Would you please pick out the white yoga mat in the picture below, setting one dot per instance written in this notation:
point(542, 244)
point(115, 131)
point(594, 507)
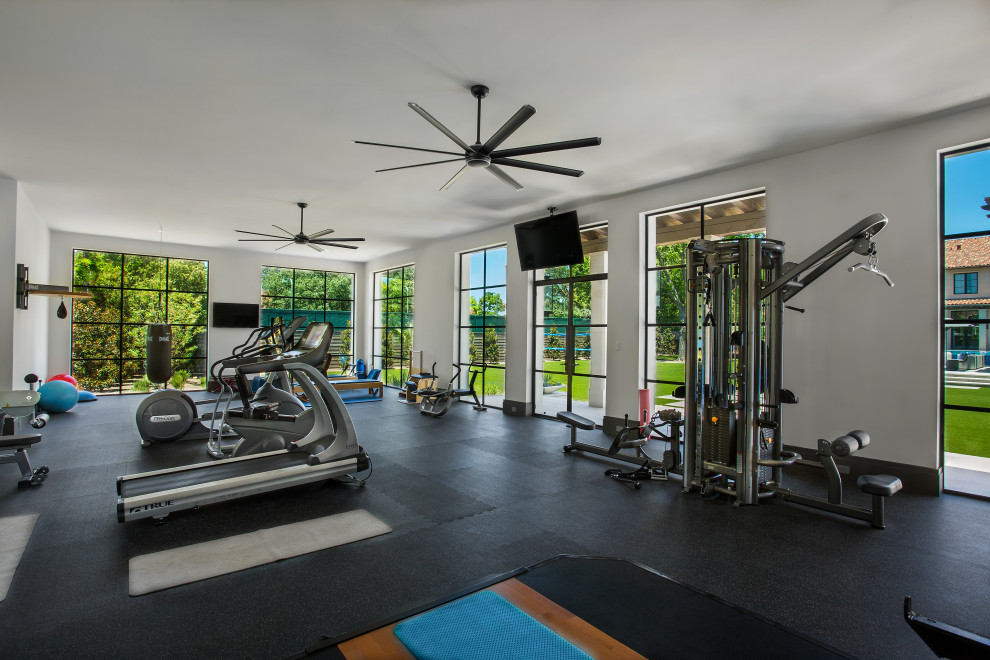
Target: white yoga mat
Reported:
point(14, 534)
point(170, 568)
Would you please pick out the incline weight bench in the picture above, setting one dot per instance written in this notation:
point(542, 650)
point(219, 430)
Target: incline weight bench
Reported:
point(13, 449)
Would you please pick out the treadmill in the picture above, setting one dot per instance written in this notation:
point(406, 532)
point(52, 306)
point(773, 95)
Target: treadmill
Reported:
point(329, 450)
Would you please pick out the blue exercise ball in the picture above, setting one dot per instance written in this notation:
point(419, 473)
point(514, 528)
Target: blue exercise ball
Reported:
point(58, 396)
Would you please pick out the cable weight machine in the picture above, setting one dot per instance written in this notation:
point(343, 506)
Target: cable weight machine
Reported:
point(737, 293)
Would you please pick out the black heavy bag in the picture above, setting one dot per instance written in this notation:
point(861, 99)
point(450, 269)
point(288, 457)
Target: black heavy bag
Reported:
point(158, 363)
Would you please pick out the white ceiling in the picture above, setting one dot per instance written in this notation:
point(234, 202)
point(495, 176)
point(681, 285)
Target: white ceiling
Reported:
point(123, 116)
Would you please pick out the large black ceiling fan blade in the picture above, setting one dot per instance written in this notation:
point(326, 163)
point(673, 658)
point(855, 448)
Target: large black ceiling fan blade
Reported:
point(333, 240)
point(340, 245)
point(315, 247)
point(443, 129)
point(544, 148)
point(320, 233)
point(254, 233)
point(500, 173)
point(406, 167)
point(396, 146)
point(285, 246)
point(508, 128)
point(261, 240)
point(539, 167)
point(285, 230)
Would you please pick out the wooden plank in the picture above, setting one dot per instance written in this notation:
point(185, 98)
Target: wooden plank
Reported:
point(577, 631)
point(382, 644)
point(356, 384)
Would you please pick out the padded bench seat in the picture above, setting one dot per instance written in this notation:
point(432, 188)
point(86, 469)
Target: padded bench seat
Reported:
point(883, 485)
point(576, 420)
point(23, 440)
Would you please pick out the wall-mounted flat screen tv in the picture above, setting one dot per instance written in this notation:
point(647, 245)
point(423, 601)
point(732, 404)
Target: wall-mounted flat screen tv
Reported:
point(236, 315)
point(551, 241)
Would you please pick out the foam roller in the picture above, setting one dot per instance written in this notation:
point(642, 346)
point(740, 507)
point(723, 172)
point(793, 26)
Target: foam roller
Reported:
point(845, 445)
point(862, 436)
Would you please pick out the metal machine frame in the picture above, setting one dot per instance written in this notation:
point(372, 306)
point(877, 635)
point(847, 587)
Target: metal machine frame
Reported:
point(737, 290)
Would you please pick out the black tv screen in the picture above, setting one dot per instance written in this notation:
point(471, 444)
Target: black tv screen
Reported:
point(236, 315)
point(551, 241)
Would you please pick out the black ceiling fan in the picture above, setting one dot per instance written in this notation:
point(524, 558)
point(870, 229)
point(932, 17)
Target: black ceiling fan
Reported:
point(312, 240)
point(488, 155)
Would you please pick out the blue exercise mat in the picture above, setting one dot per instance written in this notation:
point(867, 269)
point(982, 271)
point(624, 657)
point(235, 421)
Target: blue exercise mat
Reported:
point(483, 626)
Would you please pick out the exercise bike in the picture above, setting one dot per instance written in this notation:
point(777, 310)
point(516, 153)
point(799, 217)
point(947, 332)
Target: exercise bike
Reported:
point(436, 403)
point(172, 415)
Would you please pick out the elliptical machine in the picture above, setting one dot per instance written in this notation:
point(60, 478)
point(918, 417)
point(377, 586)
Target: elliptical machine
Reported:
point(273, 418)
point(172, 415)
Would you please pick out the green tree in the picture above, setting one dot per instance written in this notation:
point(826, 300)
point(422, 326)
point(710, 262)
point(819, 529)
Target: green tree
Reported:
point(490, 344)
point(345, 340)
point(670, 300)
point(130, 292)
point(472, 347)
point(491, 304)
point(388, 352)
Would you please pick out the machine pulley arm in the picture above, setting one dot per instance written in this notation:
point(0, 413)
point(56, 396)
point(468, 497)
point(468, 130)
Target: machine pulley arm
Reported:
point(857, 238)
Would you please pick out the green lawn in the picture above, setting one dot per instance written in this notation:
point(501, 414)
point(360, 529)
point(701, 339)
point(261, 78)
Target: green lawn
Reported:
point(967, 432)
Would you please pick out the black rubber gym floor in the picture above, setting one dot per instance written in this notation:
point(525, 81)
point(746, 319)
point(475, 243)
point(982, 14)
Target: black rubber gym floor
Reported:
point(469, 495)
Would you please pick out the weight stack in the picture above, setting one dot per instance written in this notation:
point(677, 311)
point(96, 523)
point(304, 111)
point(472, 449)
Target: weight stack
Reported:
point(718, 438)
point(158, 360)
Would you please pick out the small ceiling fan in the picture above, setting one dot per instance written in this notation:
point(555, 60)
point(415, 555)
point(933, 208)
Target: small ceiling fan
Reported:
point(488, 155)
point(311, 240)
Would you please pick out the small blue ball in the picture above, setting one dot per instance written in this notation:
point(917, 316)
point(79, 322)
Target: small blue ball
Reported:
point(58, 396)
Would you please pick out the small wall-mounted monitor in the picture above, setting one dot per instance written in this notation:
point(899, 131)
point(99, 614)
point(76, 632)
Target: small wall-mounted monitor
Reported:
point(551, 241)
point(236, 315)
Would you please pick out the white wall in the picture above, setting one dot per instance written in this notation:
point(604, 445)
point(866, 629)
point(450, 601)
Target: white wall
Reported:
point(30, 331)
point(8, 226)
point(862, 356)
point(235, 276)
point(23, 333)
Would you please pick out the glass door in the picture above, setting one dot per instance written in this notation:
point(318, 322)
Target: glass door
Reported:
point(571, 333)
point(966, 321)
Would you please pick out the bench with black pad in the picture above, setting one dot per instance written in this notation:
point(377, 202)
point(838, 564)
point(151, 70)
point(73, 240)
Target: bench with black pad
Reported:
point(575, 422)
point(13, 449)
point(880, 486)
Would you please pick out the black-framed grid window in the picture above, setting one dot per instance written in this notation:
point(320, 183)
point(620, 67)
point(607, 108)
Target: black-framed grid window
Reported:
point(131, 291)
point(964, 205)
point(481, 325)
point(393, 318)
point(320, 296)
point(668, 232)
point(965, 283)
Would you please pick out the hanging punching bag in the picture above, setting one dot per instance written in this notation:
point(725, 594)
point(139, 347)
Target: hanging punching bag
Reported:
point(158, 362)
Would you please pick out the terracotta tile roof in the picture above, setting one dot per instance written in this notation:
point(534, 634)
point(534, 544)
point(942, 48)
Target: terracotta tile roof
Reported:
point(967, 301)
point(967, 252)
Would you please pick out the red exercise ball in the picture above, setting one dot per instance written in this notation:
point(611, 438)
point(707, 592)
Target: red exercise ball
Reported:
point(66, 377)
